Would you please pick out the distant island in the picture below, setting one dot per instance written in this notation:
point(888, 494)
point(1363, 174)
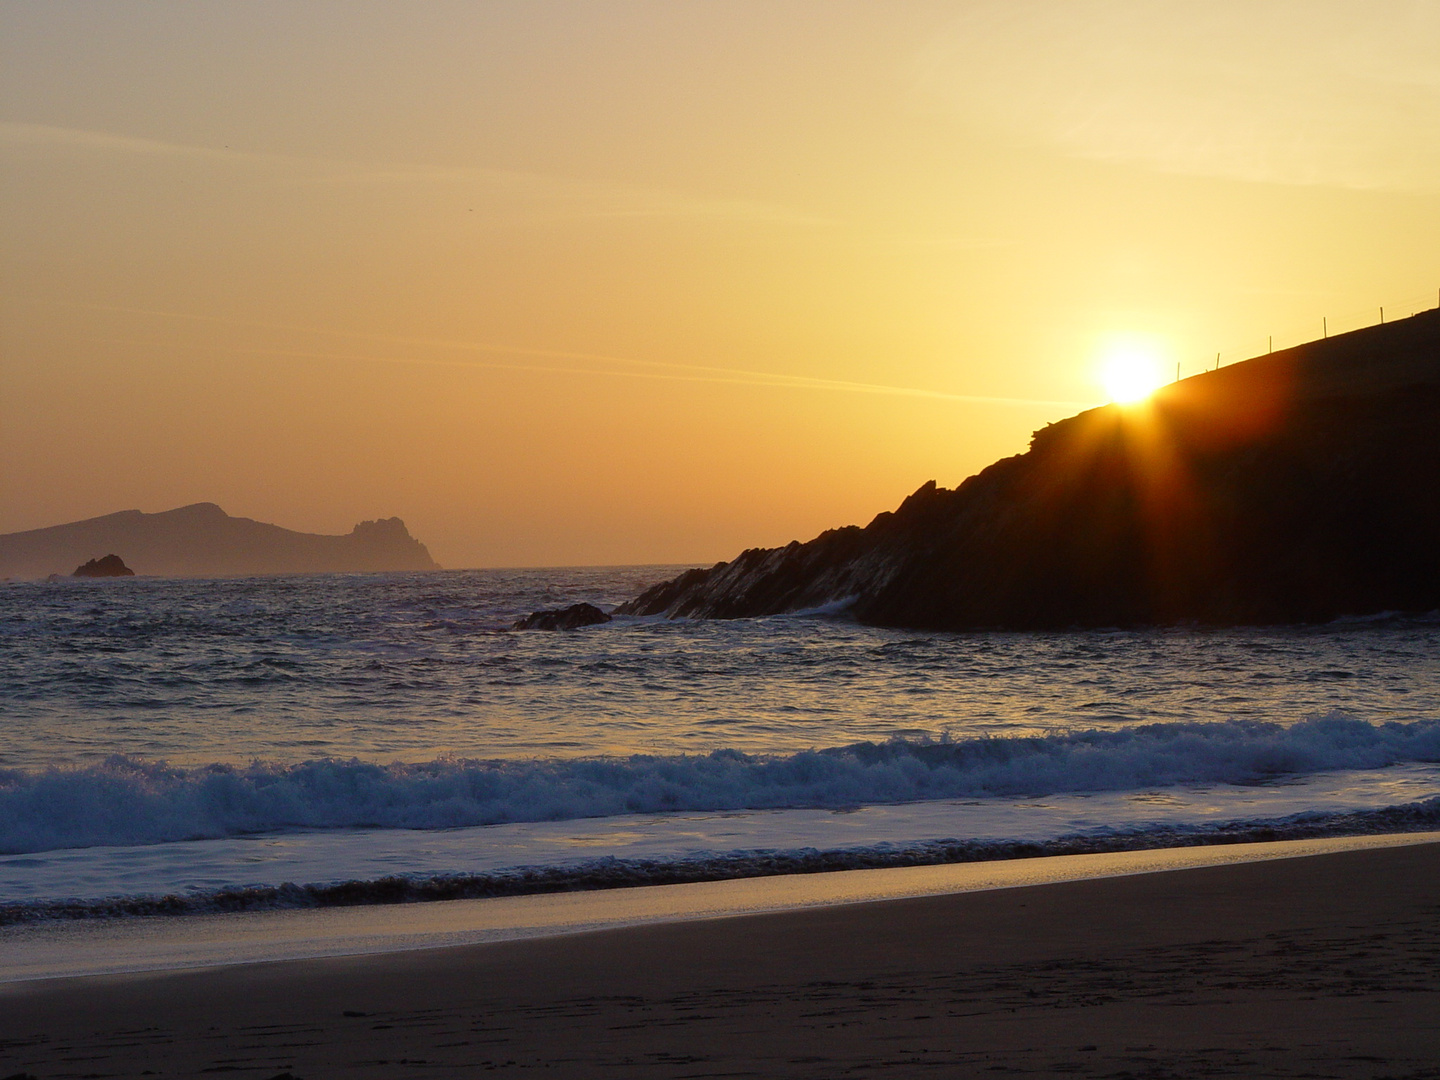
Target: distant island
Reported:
point(203, 541)
point(1299, 486)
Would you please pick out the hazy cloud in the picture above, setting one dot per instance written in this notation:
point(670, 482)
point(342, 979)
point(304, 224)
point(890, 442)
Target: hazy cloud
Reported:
point(621, 367)
point(565, 197)
point(572, 362)
point(1333, 92)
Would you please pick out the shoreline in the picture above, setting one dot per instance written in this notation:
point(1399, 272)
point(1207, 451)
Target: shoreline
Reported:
point(80, 948)
point(1277, 967)
point(324, 869)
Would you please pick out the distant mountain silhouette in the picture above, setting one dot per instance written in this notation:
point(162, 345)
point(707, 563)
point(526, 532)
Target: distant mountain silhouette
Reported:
point(1298, 486)
point(204, 541)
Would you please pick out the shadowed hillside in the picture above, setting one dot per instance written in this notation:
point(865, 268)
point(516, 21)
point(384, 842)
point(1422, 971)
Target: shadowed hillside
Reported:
point(204, 541)
point(1298, 486)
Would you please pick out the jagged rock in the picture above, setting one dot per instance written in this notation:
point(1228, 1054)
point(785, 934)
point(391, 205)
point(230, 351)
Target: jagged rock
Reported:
point(570, 618)
point(1296, 487)
point(109, 566)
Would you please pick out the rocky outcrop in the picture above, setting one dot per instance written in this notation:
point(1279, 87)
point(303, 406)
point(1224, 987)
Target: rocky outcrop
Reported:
point(1299, 486)
point(203, 541)
point(570, 618)
point(109, 566)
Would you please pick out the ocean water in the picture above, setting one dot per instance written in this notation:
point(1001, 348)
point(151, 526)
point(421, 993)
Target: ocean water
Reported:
point(325, 739)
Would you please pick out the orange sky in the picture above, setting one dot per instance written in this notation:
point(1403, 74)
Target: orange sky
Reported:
point(566, 283)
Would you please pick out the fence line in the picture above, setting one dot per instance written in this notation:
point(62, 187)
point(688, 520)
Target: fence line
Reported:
point(1354, 319)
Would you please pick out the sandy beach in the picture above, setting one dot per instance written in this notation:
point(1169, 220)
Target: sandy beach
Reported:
point(1314, 966)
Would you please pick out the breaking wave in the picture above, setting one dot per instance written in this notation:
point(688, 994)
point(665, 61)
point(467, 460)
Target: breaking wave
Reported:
point(613, 873)
point(130, 801)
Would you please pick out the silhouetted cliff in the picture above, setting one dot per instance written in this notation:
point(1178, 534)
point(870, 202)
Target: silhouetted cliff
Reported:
point(204, 541)
point(1298, 486)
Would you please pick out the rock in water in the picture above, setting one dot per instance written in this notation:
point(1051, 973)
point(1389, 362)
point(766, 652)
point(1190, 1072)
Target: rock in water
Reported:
point(109, 566)
point(570, 618)
point(1300, 486)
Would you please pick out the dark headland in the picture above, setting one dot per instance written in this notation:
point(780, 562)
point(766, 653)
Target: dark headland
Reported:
point(203, 541)
point(1299, 486)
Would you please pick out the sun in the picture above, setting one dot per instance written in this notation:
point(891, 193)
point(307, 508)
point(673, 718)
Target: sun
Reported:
point(1131, 370)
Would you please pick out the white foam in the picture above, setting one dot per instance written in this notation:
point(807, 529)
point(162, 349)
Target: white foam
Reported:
point(129, 801)
point(97, 947)
point(324, 857)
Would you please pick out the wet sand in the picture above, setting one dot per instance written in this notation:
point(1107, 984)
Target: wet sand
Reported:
point(1316, 966)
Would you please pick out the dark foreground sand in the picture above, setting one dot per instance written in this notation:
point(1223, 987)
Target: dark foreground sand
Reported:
point(1325, 966)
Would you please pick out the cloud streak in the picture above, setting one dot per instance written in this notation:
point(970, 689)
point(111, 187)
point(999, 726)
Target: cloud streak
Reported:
point(581, 363)
point(668, 372)
point(570, 196)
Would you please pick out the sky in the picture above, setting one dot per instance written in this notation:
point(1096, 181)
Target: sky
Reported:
point(566, 283)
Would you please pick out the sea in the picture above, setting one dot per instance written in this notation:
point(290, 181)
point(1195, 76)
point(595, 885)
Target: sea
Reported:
point(170, 746)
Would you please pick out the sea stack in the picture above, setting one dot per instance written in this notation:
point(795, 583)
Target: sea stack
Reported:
point(109, 566)
point(1299, 486)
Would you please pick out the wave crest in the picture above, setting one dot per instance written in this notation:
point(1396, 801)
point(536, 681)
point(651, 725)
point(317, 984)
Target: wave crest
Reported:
point(127, 800)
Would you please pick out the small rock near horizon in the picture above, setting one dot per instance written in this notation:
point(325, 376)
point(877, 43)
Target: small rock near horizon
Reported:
point(109, 566)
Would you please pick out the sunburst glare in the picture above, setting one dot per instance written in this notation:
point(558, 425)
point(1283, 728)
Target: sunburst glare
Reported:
point(1131, 369)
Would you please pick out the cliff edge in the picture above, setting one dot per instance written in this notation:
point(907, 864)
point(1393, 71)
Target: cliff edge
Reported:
point(202, 540)
point(1299, 486)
